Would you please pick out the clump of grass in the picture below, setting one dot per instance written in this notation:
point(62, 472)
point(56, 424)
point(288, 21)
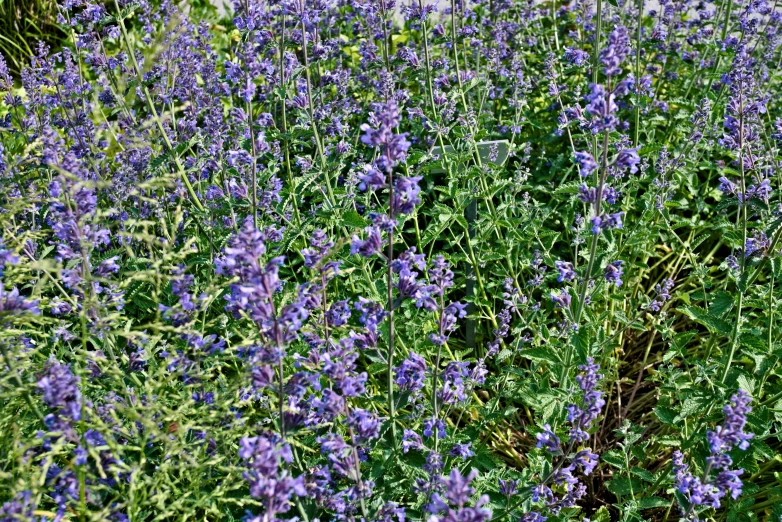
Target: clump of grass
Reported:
point(23, 23)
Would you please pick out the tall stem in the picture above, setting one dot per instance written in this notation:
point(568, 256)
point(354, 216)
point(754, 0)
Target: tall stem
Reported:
point(15, 374)
point(254, 174)
point(743, 214)
point(638, 73)
point(435, 408)
point(316, 135)
point(155, 116)
point(285, 118)
point(281, 401)
point(390, 307)
point(596, 50)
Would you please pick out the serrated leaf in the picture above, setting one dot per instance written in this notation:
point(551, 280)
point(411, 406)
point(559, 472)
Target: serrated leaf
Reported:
point(541, 354)
point(615, 458)
point(712, 323)
point(722, 303)
point(652, 502)
point(623, 486)
point(665, 415)
point(351, 218)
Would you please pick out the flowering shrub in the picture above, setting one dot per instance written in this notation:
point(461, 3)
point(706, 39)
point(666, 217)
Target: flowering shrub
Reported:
point(352, 260)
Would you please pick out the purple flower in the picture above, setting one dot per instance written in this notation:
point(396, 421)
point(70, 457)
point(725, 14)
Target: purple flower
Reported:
point(613, 272)
point(732, 263)
point(606, 222)
point(339, 313)
point(602, 107)
point(587, 194)
point(406, 195)
point(404, 266)
point(663, 294)
point(586, 162)
point(11, 303)
point(462, 451)
point(508, 487)
point(432, 425)
point(731, 433)
point(380, 134)
point(60, 389)
point(447, 322)
point(708, 491)
point(452, 504)
point(757, 245)
point(727, 187)
point(615, 52)
point(22, 506)
point(365, 425)
point(372, 314)
point(410, 374)
point(581, 417)
point(561, 300)
point(761, 191)
point(628, 159)
point(457, 487)
point(370, 246)
point(319, 247)
point(372, 179)
point(391, 512)
point(566, 272)
point(272, 485)
point(586, 460)
point(548, 439)
point(408, 55)
point(441, 277)
point(411, 440)
point(6, 256)
point(576, 56)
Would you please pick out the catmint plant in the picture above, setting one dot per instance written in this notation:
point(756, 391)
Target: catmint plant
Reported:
point(346, 260)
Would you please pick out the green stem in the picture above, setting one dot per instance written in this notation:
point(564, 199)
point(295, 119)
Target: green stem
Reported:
point(735, 341)
point(155, 116)
point(638, 73)
point(315, 133)
point(390, 307)
point(15, 374)
point(285, 122)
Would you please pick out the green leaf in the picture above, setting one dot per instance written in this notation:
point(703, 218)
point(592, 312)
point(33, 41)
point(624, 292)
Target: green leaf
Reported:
point(622, 486)
point(615, 458)
point(713, 323)
point(541, 354)
point(351, 218)
point(646, 475)
point(601, 515)
point(722, 303)
point(652, 502)
point(665, 415)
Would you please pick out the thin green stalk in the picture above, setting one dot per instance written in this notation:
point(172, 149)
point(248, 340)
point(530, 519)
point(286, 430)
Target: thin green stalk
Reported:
point(596, 50)
point(16, 377)
point(315, 133)
point(735, 340)
point(155, 116)
point(743, 214)
point(285, 122)
point(638, 73)
point(390, 310)
point(254, 166)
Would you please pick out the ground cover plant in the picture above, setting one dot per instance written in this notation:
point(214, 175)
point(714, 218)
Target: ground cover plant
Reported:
point(363, 260)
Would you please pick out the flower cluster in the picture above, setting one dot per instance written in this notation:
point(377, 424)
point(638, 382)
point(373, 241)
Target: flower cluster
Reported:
point(719, 480)
point(571, 459)
point(330, 260)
